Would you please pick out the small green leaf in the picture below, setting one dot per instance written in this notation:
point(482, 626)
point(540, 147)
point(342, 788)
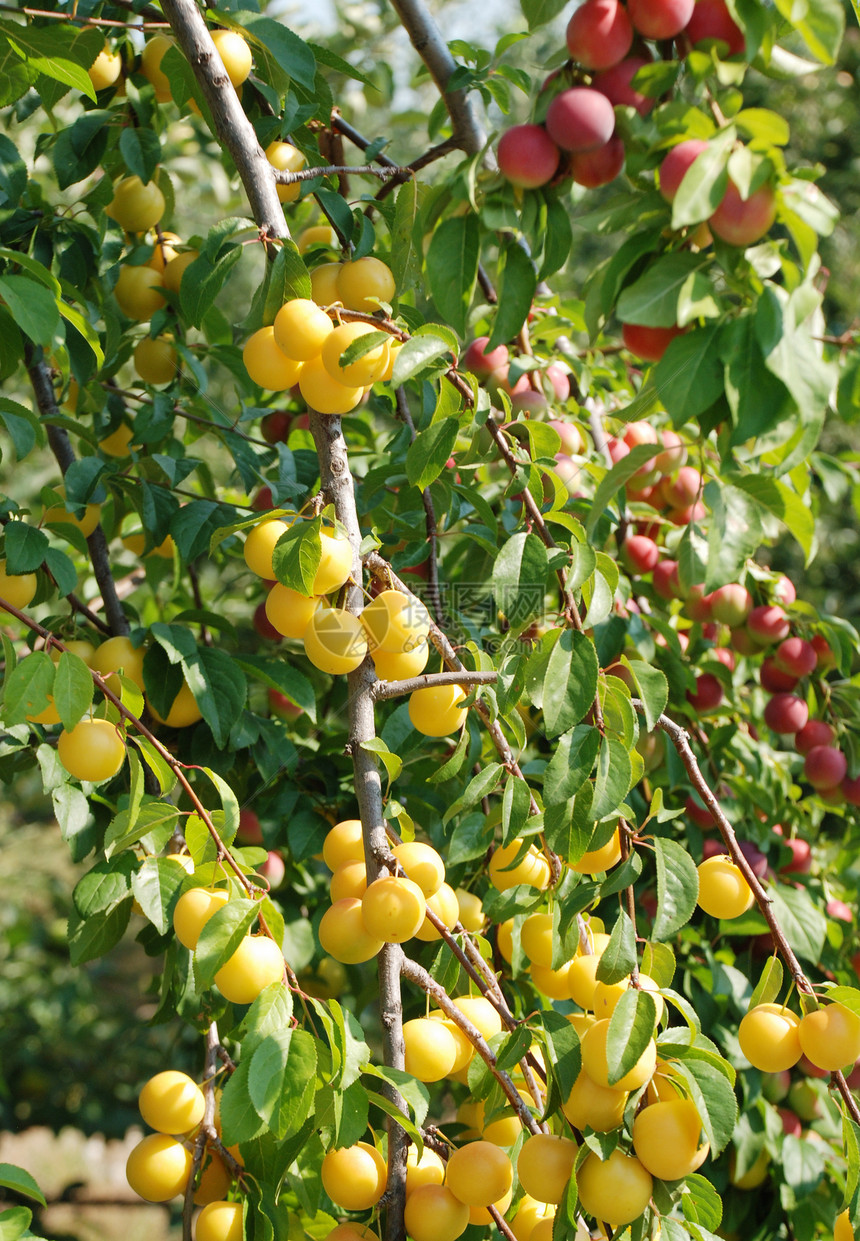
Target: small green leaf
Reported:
point(677, 887)
point(221, 936)
point(73, 689)
point(297, 554)
point(618, 959)
point(12, 1177)
point(571, 682)
point(27, 687)
point(429, 452)
point(519, 578)
point(571, 763)
point(26, 547)
point(452, 267)
point(281, 1079)
point(770, 983)
point(631, 1029)
point(516, 291)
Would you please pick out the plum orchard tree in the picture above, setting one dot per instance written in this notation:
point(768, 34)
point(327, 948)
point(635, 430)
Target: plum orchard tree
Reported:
point(563, 830)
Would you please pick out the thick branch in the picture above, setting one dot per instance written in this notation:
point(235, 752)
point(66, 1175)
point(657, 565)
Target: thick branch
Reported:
point(384, 690)
point(284, 177)
point(337, 486)
point(428, 42)
point(232, 127)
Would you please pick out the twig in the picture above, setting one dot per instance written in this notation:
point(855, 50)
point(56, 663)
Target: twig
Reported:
point(208, 1123)
point(284, 177)
point(502, 1224)
point(85, 21)
point(194, 579)
point(383, 690)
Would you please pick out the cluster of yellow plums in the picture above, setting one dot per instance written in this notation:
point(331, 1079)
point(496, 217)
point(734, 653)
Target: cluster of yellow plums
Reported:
point(773, 1038)
point(159, 1167)
point(256, 963)
point(394, 627)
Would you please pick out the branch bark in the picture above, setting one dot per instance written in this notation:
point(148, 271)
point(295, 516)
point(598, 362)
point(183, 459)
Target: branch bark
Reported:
point(383, 690)
point(232, 127)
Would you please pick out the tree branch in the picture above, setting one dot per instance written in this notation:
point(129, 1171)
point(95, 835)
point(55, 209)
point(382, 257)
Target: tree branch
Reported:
point(284, 177)
point(232, 127)
point(207, 1125)
point(383, 690)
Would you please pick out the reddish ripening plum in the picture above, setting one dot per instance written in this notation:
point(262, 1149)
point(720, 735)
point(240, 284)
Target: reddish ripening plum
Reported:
point(640, 553)
point(616, 449)
point(580, 119)
point(682, 490)
point(767, 623)
point(570, 435)
point(826, 658)
point(595, 168)
point(599, 34)
point(697, 603)
point(636, 433)
point(666, 579)
point(275, 427)
point(683, 516)
point(792, 1126)
point(615, 84)
point(480, 363)
point(851, 790)
point(742, 222)
point(784, 591)
point(660, 19)
point(280, 705)
point(711, 22)
point(559, 378)
point(786, 714)
point(250, 832)
point(273, 869)
point(674, 453)
point(754, 855)
point(264, 626)
point(774, 680)
point(825, 767)
point(648, 343)
point(700, 814)
point(800, 862)
point(731, 604)
point(263, 500)
point(813, 733)
point(676, 165)
point(708, 693)
point(796, 657)
point(838, 909)
point(725, 656)
point(527, 156)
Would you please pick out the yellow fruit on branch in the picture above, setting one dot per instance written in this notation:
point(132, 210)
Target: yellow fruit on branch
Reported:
point(136, 207)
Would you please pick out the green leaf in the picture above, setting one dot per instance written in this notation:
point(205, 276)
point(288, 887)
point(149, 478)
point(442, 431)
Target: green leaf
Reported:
point(415, 355)
point(677, 887)
point(714, 1098)
point(618, 959)
point(653, 298)
point(15, 1222)
point(612, 778)
point(270, 1012)
point(219, 689)
point(27, 687)
point(539, 12)
point(141, 150)
point(286, 278)
point(393, 763)
point(820, 24)
point(73, 689)
point(202, 281)
point(615, 479)
point(452, 267)
point(239, 1119)
point(221, 936)
point(689, 376)
point(90, 938)
point(516, 805)
point(734, 533)
point(568, 825)
point(33, 307)
point(519, 578)
point(770, 983)
point(652, 688)
point(297, 554)
point(479, 786)
point(154, 818)
point(700, 1202)
point(281, 1080)
point(563, 1058)
point(60, 53)
point(13, 177)
point(429, 452)
point(703, 186)
point(279, 53)
point(12, 1177)
point(22, 425)
point(25, 546)
point(516, 291)
point(802, 922)
point(571, 682)
point(785, 504)
point(631, 1029)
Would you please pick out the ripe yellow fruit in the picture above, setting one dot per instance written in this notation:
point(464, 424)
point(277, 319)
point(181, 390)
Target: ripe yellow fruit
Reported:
point(536, 939)
point(354, 1176)
point(723, 891)
point(769, 1038)
point(544, 1166)
point(183, 712)
point(215, 1181)
point(324, 284)
point(434, 1214)
point(754, 1176)
point(843, 1230)
point(290, 612)
point(363, 284)
point(193, 910)
point(481, 1215)
point(367, 369)
point(465, 1050)
point(317, 235)
point(504, 1130)
point(532, 870)
point(235, 54)
point(136, 207)
point(471, 911)
point(163, 250)
point(136, 542)
point(115, 655)
point(58, 514)
point(430, 1049)
point(156, 362)
point(151, 59)
point(117, 443)
point(265, 363)
point(220, 1221)
point(505, 939)
point(349, 880)
point(436, 711)
point(422, 865)
point(597, 1107)
point(582, 979)
point(158, 1168)
point(428, 1170)
point(171, 1102)
point(529, 1214)
point(352, 1232)
point(19, 589)
point(344, 936)
point(555, 984)
point(607, 995)
point(343, 843)
point(175, 269)
point(260, 544)
point(324, 394)
point(335, 563)
point(483, 1016)
point(396, 622)
point(595, 1063)
point(301, 329)
point(666, 1138)
point(400, 665)
point(286, 158)
point(393, 909)
point(830, 1037)
point(105, 69)
point(137, 292)
point(334, 641)
point(445, 906)
point(615, 1191)
point(94, 750)
point(479, 1174)
point(597, 860)
point(257, 962)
